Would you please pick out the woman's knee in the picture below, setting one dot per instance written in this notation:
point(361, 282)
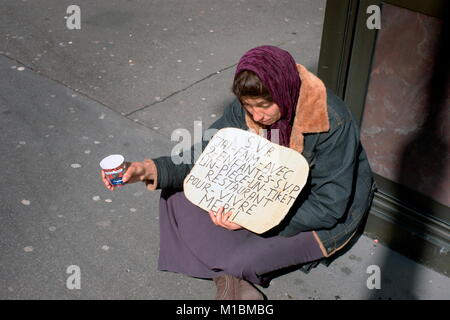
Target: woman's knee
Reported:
point(245, 266)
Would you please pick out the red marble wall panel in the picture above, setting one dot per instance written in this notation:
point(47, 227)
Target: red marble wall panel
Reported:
point(406, 123)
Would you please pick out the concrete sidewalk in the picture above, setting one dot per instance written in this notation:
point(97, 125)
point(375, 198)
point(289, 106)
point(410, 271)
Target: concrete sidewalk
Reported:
point(123, 84)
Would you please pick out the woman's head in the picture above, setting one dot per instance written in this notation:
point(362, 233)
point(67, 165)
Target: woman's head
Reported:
point(256, 98)
point(247, 84)
point(269, 73)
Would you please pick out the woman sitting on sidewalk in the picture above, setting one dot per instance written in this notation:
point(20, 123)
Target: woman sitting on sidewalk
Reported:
point(273, 92)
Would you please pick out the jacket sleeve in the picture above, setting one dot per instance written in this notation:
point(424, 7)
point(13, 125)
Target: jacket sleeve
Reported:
point(171, 175)
point(331, 181)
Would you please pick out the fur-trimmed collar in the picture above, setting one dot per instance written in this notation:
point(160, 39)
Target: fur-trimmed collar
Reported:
point(311, 114)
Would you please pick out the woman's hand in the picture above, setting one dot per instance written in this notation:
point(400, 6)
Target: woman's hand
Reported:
point(220, 219)
point(134, 172)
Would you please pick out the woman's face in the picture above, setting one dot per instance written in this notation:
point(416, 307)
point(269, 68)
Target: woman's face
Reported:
point(262, 111)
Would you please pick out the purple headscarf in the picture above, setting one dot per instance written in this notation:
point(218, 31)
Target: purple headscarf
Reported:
point(278, 72)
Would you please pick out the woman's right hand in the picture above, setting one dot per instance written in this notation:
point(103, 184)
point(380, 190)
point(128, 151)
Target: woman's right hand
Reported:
point(134, 172)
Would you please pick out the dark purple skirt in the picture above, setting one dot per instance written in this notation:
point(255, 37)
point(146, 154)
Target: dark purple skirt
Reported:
point(192, 245)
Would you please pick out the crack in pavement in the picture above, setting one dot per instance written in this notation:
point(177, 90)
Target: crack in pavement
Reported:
point(181, 90)
point(190, 86)
point(80, 92)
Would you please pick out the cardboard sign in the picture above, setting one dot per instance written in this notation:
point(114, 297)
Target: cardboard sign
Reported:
point(255, 179)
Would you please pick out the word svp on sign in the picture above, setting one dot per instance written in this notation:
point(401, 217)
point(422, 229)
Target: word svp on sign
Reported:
point(255, 179)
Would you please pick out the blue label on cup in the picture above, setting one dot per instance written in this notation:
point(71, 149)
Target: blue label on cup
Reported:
point(117, 181)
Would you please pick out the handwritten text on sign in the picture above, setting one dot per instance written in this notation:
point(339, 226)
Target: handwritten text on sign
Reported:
point(255, 179)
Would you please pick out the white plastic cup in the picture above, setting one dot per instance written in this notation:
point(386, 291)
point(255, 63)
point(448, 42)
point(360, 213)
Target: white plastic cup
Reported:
point(114, 167)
